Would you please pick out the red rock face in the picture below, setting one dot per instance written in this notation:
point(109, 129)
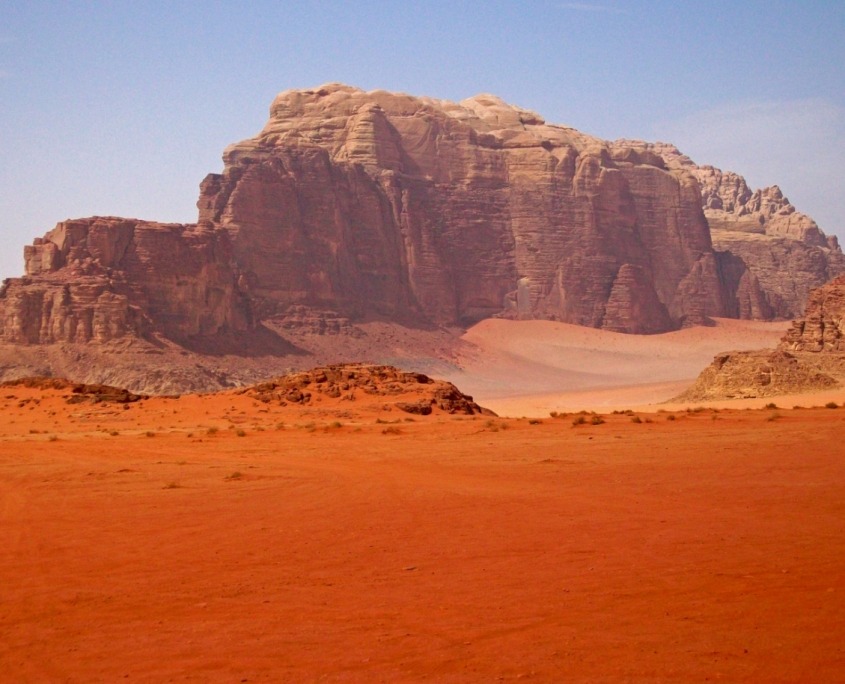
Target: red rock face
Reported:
point(822, 328)
point(415, 208)
point(771, 256)
point(425, 211)
point(103, 279)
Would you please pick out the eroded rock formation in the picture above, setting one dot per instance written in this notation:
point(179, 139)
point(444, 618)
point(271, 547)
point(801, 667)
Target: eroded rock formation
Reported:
point(351, 205)
point(822, 329)
point(810, 356)
point(770, 254)
point(345, 381)
point(105, 279)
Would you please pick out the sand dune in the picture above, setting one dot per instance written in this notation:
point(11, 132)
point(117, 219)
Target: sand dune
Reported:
point(532, 367)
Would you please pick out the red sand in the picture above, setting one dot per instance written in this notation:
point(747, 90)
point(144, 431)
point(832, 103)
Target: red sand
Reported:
point(446, 549)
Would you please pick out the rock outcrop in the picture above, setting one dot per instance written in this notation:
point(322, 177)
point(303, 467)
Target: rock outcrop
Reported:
point(770, 255)
point(344, 381)
point(810, 356)
point(416, 208)
point(105, 279)
point(822, 329)
point(351, 206)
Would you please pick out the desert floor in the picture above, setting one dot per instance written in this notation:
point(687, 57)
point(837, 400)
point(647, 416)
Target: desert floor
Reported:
point(220, 539)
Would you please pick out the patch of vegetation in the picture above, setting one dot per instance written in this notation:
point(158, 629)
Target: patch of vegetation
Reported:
point(671, 416)
point(771, 405)
point(391, 430)
point(578, 420)
point(831, 404)
point(114, 433)
point(773, 416)
point(172, 485)
point(212, 431)
point(596, 420)
point(535, 421)
point(636, 419)
point(240, 432)
point(237, 475)
point(149, 433)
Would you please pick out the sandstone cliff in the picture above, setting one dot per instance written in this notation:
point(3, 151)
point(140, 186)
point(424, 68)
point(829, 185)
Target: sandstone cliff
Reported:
point(106, 279)
point(416, 208)
point(770, 255)
point(822, 329)
point(352, 206)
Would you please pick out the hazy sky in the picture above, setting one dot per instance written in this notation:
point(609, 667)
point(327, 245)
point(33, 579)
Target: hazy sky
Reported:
point(121, 108)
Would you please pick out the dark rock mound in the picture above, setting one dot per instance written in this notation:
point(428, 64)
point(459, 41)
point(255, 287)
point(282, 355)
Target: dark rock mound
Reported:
point(345, 381)
point(79, 392)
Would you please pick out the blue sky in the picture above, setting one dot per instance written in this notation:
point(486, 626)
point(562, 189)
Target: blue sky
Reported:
point(121, 108)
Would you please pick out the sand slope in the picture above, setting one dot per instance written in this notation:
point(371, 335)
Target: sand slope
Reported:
point(531, 367)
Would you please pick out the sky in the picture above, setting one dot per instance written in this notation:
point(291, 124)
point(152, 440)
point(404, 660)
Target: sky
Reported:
point(122, 108)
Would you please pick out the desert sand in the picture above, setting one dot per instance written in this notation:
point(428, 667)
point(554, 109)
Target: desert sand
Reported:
point(218, 538)
point(530, 368)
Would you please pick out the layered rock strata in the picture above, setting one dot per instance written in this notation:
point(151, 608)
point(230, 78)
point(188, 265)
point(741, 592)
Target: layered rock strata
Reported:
point(353, 205)
point(770, 254)
point(105, 279)
point(822, 329)
point(417, 208)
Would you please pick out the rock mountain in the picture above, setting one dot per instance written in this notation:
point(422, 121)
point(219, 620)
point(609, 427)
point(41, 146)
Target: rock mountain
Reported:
point(352, 206)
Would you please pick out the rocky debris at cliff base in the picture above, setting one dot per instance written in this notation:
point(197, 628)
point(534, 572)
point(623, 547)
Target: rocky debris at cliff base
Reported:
point(345, 381)
point(79, 392)
point(809, 357)
point(766, 373)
